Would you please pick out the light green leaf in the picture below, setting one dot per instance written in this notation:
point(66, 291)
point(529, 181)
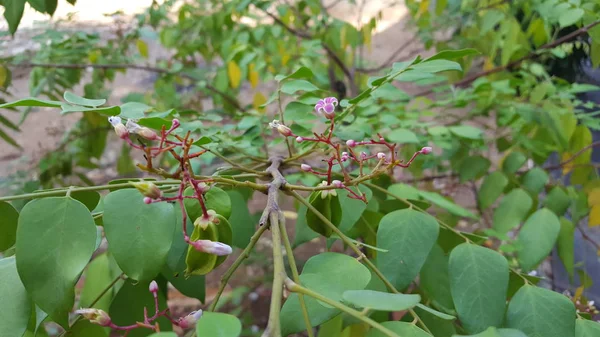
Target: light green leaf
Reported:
point(493, 332)
point(535, 180)
point(377, 300)
point(473, 167)
point(89, 198)
point(537, 237)
point(402, 329)
point(512, 210)
point(32, 102)
point(479, 282)
point(403, 191)
point(557, 201)
point(86, 329)
point(77, 100)
point(513, 162)
point(585, 328)
point(302, 72)
point(453, 54)
point(439, 327)
point(55, 240)
point(436, 313)
point(540, 312)
point(466, 131)
point(15, 307)
point(436, 66)
point(491, 189)
point(163, 334)
point(570, 17)
point(139, 235)
point(446, 204)
point(9, 218)
point(566, 245)
point(403, 136)
point(291, 87)
point(408, 236)
point(216, 324)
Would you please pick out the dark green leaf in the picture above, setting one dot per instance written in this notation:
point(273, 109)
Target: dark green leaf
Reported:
point(32, 102)
point(303, 232)
point(86, 329)
point(537, 237)
point(446, 204)
point(302, 72)
point(513, 162)
point(402, 329)
point(215, 199)
point(97, 277)
point(454, 54)
point(241, 221)
point(557, 201)
point(436, 313)
point(491, 189)
point(216, 324)
point(535, 180)
point(435, 281)
point(352, 209)
point(9, 139)
point(566, 245)
point(439, 327)
point(479, 282)
point(13, 11)
point(9, 218)
point(512, 210)
point(473, 167)
point(377, 300)
point(89, 198)
point(54, 234)
point(436, 66)
point(330, 207)
point(15, 307)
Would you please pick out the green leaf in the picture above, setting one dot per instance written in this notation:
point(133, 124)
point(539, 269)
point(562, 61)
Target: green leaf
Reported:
point(291, 87)
point(377, 300)
point(585, 328)
point(9, 139)
point(163, 334)
point(435, 280)
point(333, 270)
point(89, 198)
point(566, 245)
point(436, 313)
point(512, 210)
point(38, 5)
point(402, 329)
point(215, 199)
point(97, 277)
point(78, 100)
point(479, 282)
point(139, 235)
point(570, 17)
point(537, 237)
point(32, 102)
point(302, 72)
point(54, 234)
point(513, 162)
point(352, 209)
point(9, 218)
point(473, 167)
point(439, 327)
point(493, 332)
point(240, 219)
point(303, 232)
point(557, 201)
point(535, 180)
point(403, 136)
point(13, 11)
point(446, 204)
point(86, 329)
point(436, 66)
point(216, 324)
point(491, 189)
point(15, 307)
point(408, 236)
point(128, 306)
point(453, 54)
point(330, 207)
point(540, 312)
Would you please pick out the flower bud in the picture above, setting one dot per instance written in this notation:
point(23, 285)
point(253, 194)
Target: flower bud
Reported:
point(120, 129)
point(190, 320)
point(337, 184)
point(345, 156)
point(299, 139)
point(95, 316)
point(426, 150)
point(204, 221)
point(212, 247)
point(305, 167)
point(363, 155)
point(325, 193)
point(148, 134)
point(282, 129)
point(153, 288)
point(351, 143)
point(380, 155)
point(147, 200)
point(148, 189)
point(175, 123)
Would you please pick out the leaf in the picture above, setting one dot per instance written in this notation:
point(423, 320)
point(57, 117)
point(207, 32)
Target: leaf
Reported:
point(8, 123)
point(513, 162)
point(535, 180)
point(408, 236)
point(333, 269)
point(291, 87)
point(439, 327)
point(557, 201)
point(240, 219)
point(128, 307)
point(142, 48)
point(403, 136)
point(139, 235)
point(436, 313)
point(97, 278)
point(493, 332)
point(302, 72)
point(585, 328)
point(163, 334)
point(77, 100)
point(377, 300)
point(435, 280)
point(400, 328)
point(303, 232)
point(512, 210)
point(570, 17)
point(466, 131)
point(9, 218)
point(54, 234)
point(13, 11)
point(352, 209)
point(537, 237)
point(215, 199)
point(566, 245)
point(234, 73)
point(216, 324)
point(86, 329)
point(540, 312)
point(9, 139)
point(32, 102)
point(478, 282)
point(89, 198)
point(330, 207)
point(453, 54)
point(15, 307)
point(491, 189)
point(436, 66)
point(473, 167)
point(446, 204)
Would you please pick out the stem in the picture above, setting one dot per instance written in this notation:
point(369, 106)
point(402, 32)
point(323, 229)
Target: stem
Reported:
point(244, 255)
point(294, 287)
point(295, 276)
point(273, 327)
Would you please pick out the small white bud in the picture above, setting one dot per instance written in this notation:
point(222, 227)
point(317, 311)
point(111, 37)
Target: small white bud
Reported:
point(153, 288)
point(380, 155)
point(305, 167)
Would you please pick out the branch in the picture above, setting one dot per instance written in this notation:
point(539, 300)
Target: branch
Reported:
point(273, 328)
point(230, 99)
point(390, 59)
point(534, 54)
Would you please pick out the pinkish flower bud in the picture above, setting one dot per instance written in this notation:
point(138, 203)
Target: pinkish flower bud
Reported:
point(426, 150)
point(351, 143)
point(203, 221)
point(337, 184)
point(305, 167)
point(299, 139)
point(282, 129)
point(212, 247)
point(153, 288)
point(147, 200)
point(380, 155)
point(148, 189)
point(190, 320)
point(148, 134)
point(363, 155)
point(120, 129)
point(95, 316)
point(175, 123)
point(345, 156)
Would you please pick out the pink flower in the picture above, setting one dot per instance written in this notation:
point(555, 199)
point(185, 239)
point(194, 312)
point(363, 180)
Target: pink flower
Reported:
point(327, 106)
point(426, 150)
